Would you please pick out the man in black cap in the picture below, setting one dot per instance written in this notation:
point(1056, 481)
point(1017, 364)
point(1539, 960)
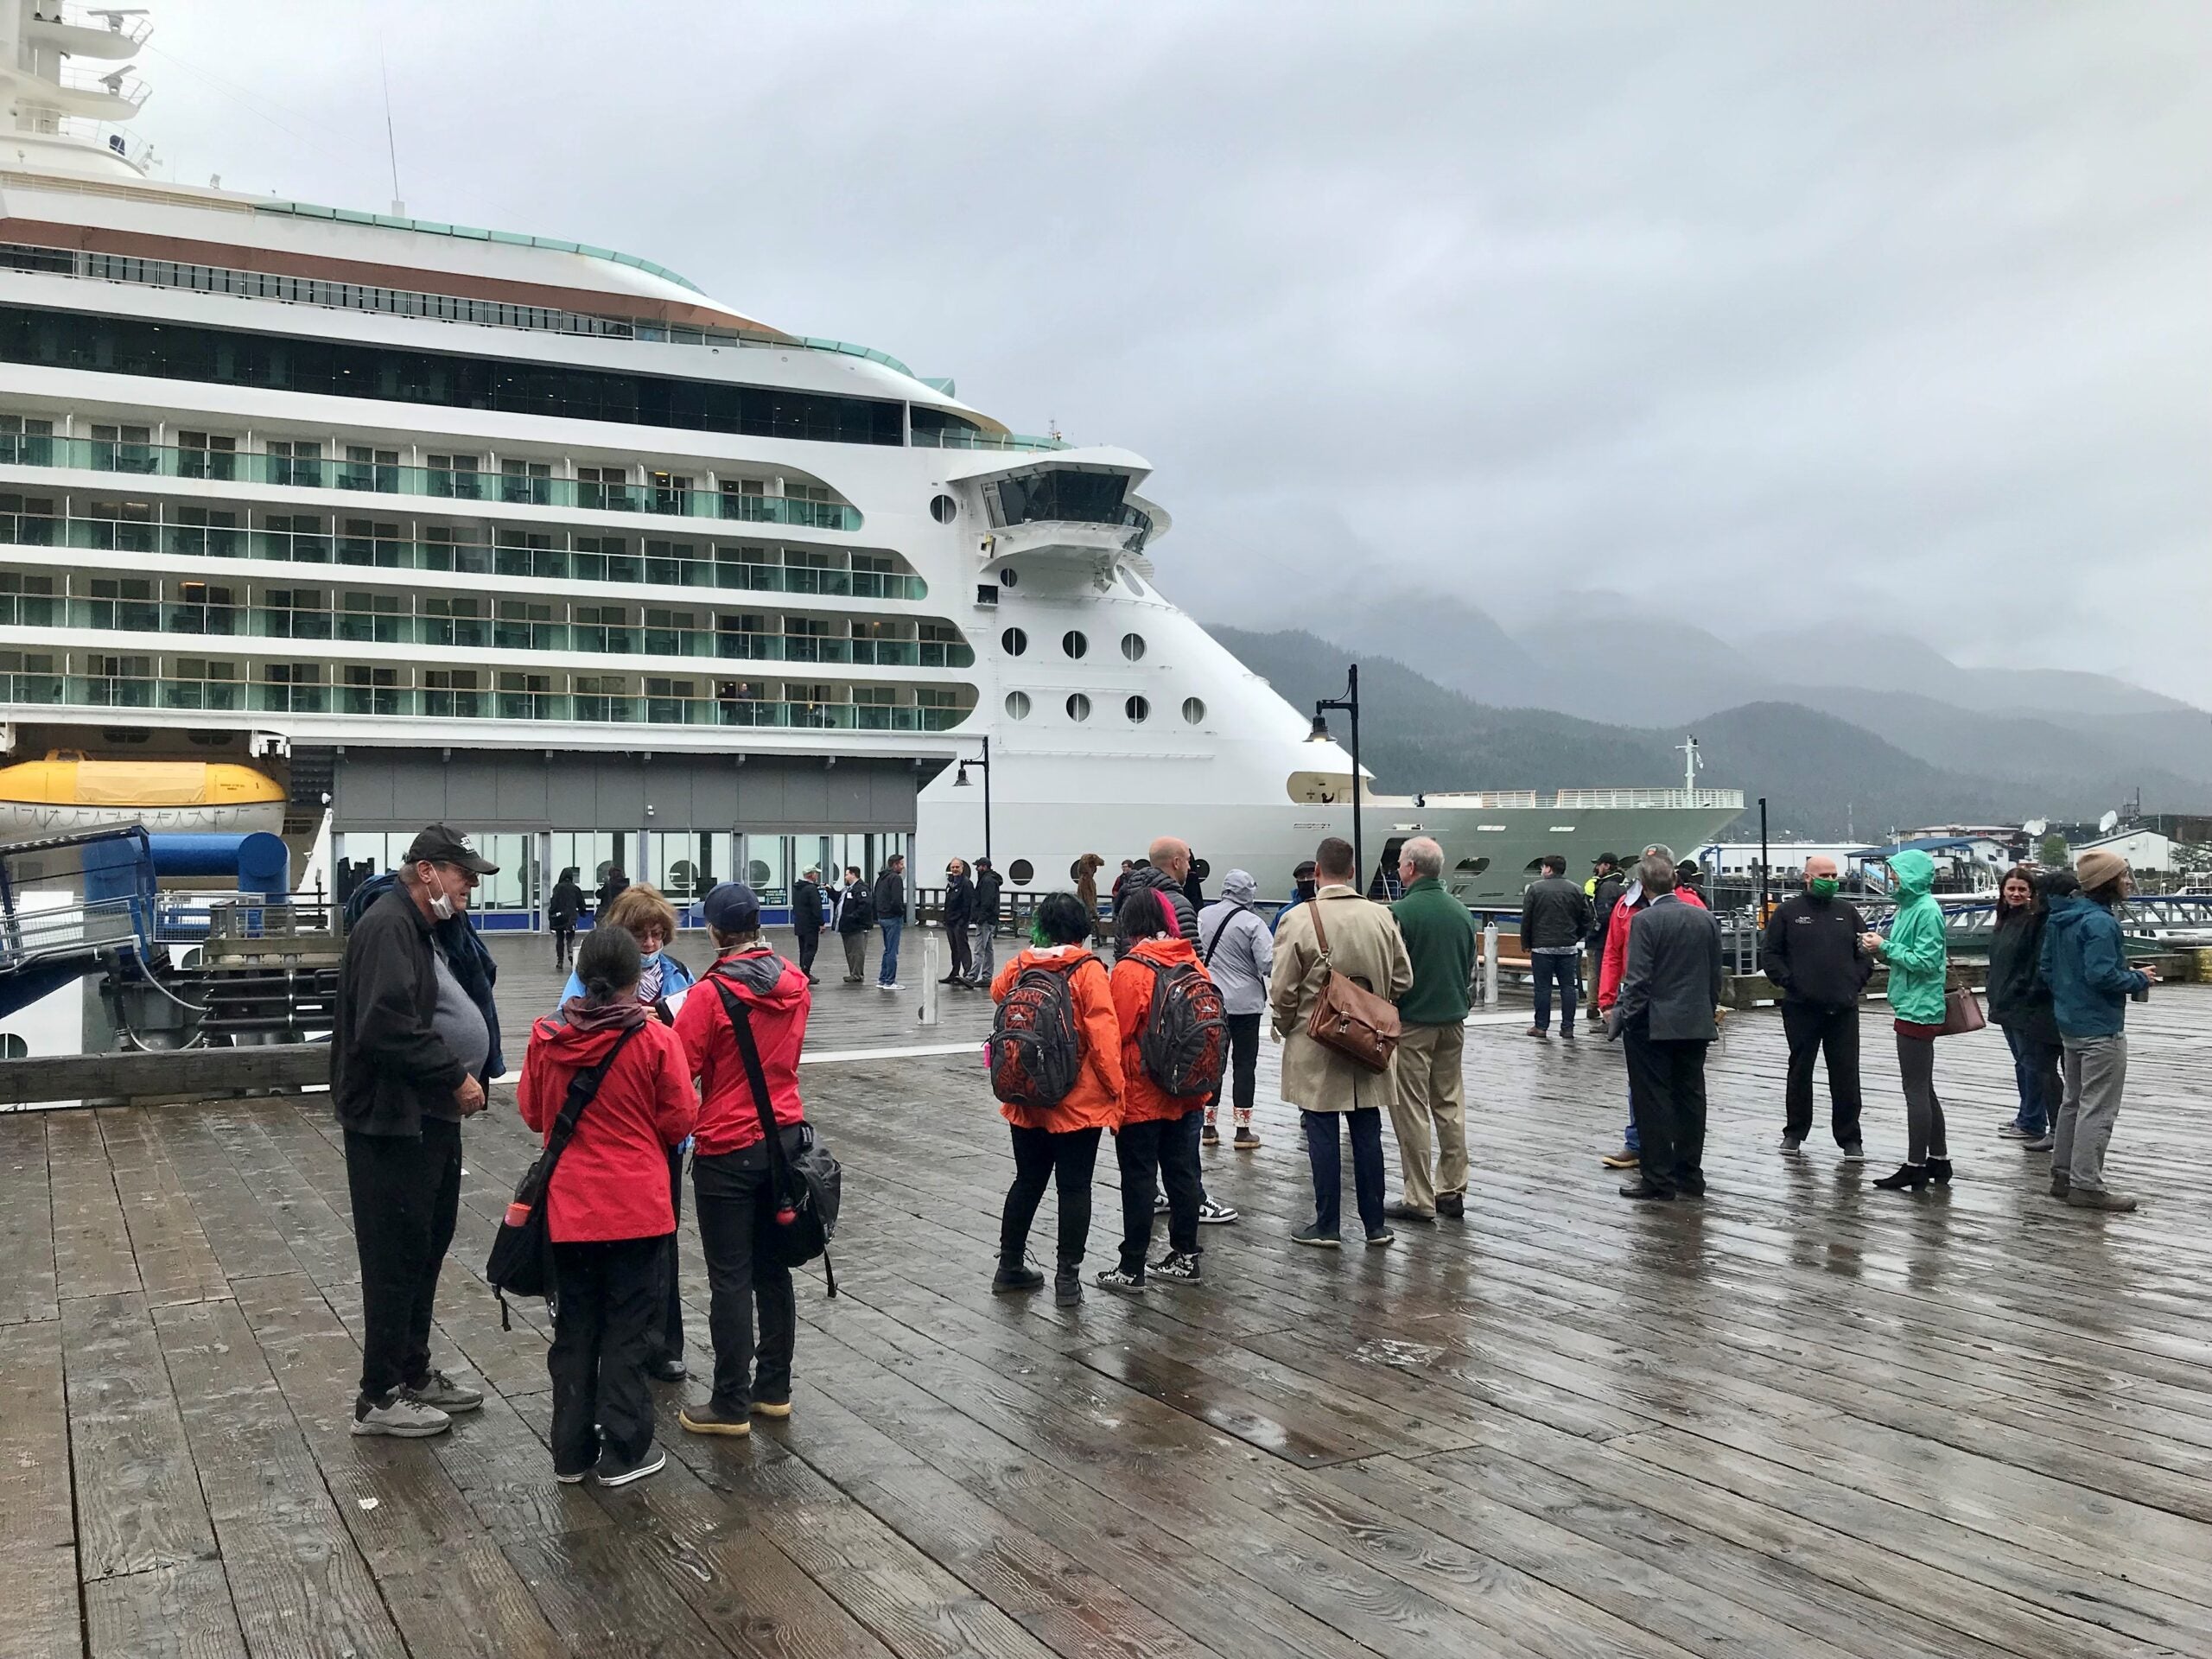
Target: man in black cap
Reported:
point(1604, 887)
point(407, 1052)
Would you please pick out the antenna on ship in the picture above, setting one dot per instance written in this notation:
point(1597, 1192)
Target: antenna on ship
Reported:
point(390, 144)
point(1693, 763)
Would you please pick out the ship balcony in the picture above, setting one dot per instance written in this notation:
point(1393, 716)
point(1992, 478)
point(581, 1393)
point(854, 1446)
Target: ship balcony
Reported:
point(114, 36)
point(112, 97)
point(1068, 538)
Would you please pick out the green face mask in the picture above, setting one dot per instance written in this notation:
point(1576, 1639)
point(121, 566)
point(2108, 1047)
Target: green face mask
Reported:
point(1824, 886)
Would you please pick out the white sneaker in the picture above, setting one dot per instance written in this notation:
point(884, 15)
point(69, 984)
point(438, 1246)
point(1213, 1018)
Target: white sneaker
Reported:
point(880, 986)
point(408, 1419)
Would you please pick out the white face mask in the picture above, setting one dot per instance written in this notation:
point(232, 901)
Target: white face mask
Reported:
point(441, 900)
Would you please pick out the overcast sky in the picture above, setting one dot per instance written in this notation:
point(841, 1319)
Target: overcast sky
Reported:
point(1898, 314)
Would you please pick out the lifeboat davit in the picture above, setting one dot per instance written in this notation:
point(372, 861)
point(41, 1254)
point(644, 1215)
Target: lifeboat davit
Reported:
point(66, 792)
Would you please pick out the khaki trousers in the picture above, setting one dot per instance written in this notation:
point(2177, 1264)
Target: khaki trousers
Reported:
point(1430, 1092)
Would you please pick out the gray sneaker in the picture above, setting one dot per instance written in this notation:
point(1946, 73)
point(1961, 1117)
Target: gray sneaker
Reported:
point(2099, 1197)
point(445, 1395)
point(400, 1416)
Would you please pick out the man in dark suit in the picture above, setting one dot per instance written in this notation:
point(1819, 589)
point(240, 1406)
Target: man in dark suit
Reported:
point(1665, 1015)
point(806, 919)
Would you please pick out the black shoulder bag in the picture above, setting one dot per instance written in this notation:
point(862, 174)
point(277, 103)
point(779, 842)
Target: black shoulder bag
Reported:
point(806, 1184)
point(521, 1264)
point(1206, 961)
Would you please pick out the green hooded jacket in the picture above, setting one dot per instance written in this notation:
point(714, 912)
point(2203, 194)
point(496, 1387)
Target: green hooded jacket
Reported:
point(1914, 947)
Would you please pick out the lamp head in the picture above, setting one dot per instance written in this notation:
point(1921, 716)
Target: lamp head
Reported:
point(1320, 732)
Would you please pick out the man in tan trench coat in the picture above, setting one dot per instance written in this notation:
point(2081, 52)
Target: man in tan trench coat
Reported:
point(1364, 945)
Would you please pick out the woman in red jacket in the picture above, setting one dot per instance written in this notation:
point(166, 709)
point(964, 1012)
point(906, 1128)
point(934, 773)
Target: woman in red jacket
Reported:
point(607, 1210)
point(1059, 1143)
point(1157, 1139)
point(730, 1180)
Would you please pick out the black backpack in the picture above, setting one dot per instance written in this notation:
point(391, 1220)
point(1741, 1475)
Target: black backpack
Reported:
point(521, 1262)
point(1035, 1053)
point(808, 1182)
point(1185, 1036)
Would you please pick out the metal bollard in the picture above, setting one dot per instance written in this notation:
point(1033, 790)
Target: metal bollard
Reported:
point(1490, 965)
point(930, 973)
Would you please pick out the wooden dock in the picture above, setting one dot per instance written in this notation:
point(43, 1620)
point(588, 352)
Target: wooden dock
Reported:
point(1801, 1418)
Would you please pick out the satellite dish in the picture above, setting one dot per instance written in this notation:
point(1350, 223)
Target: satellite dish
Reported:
point(2107, 823)
point(2037, 827)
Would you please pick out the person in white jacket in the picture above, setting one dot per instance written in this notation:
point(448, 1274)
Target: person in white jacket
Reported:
point(1238, 949)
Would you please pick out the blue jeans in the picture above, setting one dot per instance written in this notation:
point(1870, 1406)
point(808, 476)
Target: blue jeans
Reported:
point(1325, 1151)
point(1565, 971)
point(2034, 1072)
point(887, 972)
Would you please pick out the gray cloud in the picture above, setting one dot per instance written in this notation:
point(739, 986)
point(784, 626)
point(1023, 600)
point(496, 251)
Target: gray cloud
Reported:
point(1895, 313)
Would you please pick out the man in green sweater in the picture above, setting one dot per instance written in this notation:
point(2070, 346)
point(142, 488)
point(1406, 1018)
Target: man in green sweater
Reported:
point(1431, 1100)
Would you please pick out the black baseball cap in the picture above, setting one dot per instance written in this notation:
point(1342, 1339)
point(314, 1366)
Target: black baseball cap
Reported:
point(1604, 858)
point(437, 844)
point(732, 907)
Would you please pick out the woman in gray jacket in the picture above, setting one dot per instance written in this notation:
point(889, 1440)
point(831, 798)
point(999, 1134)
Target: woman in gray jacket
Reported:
point(1239, 951)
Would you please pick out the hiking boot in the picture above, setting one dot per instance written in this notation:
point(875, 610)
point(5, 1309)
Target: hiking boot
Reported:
point(1214, 1213)
point(711, 1418)
point(401, 1417)
point(1067, 1284)
point(1246, 1141)
point(1538, 1030)
point(1177, 1267)
point(617, 1471)
point(1790, 1143)
point(777, 1410)
point(1312, 1234)
point(2061, 1183)
point(669, 1369)
point(2100, 1197)
point(1016, 1275)
point(442, 1392)
point(1406, 1212)
point(1209, 1136)
point(1626, 1158)
point(1128, 1284)
point(1452, 1206)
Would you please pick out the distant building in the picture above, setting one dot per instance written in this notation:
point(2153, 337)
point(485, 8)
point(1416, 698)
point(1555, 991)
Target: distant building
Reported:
point(2145, 848)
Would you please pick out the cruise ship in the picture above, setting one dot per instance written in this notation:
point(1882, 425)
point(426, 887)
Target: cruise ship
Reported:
point(419, 522)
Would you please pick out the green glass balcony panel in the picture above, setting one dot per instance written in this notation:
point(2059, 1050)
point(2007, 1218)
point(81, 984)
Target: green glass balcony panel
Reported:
point(454, 484)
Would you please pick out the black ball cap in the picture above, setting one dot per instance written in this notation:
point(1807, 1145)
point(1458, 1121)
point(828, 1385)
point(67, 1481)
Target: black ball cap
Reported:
point(437, 844)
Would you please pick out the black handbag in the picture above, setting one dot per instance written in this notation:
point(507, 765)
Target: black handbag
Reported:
point(806, 1184)
point(521, 1262)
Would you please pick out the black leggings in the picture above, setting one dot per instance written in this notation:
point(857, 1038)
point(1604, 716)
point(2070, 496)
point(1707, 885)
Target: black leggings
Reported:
point(1041, 1157)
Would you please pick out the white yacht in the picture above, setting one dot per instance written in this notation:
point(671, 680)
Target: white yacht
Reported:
point(431, 522)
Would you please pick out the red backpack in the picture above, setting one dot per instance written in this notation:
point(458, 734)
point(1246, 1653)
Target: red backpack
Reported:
point(1034, 1052)
point(1185, 1037)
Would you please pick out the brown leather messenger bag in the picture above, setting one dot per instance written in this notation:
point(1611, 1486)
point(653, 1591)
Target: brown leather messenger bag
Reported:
point(1348, 1018)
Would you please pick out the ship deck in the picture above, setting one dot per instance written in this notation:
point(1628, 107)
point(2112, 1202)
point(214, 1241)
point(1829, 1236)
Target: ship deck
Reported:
point(1801, 1418)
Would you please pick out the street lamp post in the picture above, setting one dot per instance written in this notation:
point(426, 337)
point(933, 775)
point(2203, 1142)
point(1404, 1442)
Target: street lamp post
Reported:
point(1350, 703)
point(960, 781)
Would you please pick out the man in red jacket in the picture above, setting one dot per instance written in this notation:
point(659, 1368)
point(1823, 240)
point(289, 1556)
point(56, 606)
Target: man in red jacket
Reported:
point(730, 1176)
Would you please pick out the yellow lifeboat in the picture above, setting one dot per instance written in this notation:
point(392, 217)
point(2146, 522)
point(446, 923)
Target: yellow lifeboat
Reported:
point(66, 792)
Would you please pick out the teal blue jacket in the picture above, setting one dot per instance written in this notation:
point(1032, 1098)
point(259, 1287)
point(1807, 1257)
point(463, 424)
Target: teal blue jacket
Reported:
point(1914, 947)
point(2085, 964)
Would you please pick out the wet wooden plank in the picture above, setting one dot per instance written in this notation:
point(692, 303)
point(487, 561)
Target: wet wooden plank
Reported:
point(28, 1290)
point(91, 1244)
point(172, 1612)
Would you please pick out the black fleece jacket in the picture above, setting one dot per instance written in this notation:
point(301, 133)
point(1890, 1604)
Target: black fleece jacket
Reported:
point(1811, 952)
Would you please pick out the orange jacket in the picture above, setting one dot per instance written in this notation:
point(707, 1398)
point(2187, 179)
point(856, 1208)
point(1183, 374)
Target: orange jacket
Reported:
point(1141, 1099)
point(1095, 1103)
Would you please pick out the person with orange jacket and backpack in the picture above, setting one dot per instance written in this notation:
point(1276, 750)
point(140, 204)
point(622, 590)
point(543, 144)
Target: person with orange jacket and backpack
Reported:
point(1174, 1032)
point(608, 1208)
point(732, 1181)
point(1056, 1066)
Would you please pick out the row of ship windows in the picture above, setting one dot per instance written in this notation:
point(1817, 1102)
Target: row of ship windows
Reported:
point(1075, 645)
point(1135, 709)
point(185, 605)
point(103, 680)
point(316, 464)
point(306, 538)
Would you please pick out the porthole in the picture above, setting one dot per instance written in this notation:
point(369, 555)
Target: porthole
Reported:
point(1194, 710)
point(1138, 709)
point(1471, 866)
point(1007, 577)
point(1022, 872)
point(1073, 643)
point(1017, 705)
point(1133, 647)
point(944, 509)
point(1013, 642)
point(1078, 706)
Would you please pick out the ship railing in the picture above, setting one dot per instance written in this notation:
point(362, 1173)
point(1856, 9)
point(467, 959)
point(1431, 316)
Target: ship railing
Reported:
point(1593, 800)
